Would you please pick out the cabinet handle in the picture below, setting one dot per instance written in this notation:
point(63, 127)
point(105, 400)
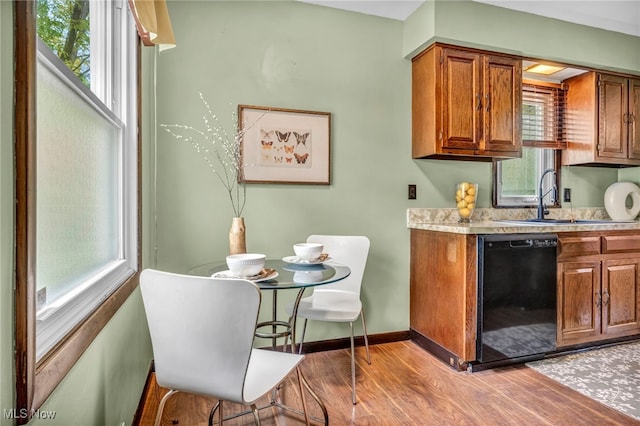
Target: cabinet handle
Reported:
point(625, 119)
point(488, 102)
point(632, 118)
point(605, 302)
point(479, 105)
point(598, 300)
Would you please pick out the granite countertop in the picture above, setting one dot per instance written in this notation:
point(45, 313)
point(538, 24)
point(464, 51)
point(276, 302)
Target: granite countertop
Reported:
point(491, 221)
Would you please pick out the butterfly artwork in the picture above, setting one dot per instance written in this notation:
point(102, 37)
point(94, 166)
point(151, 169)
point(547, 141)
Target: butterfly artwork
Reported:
point(301, 138)
point(267, 138)
point(283, 136)
point(301, 159)
point(284, 145)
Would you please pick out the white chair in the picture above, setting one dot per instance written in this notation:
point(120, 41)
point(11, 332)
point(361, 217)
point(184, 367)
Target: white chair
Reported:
point(202, 332)
point(339, 301)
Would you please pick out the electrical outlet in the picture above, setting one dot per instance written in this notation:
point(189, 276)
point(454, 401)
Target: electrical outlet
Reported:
point(566, 196)
point(412, 192)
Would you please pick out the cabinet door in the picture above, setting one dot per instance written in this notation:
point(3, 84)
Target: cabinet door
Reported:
point(634, 118)
point(612, 117)
point(462, 100)
point(502, 91)
point(620, 296)
point(579, 302)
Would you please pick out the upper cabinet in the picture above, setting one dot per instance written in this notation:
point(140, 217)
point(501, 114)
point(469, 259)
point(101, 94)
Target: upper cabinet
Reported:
point(466, 104)
point(605, 110)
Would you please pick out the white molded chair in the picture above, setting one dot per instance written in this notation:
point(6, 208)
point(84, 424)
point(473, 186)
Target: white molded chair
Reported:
point(202, 332)
point(339, 301)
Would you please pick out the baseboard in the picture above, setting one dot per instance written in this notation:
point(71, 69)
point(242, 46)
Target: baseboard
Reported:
point(345, 343)
point(438, 351)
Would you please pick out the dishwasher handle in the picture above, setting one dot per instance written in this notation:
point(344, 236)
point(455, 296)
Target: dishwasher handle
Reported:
point(521, 243)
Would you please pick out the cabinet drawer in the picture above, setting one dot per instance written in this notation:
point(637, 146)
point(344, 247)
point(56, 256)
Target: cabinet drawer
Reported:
point(578, 246)
point(620, 243)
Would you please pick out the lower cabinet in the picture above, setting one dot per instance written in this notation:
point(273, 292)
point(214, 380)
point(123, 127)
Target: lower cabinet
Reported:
point(598, 293)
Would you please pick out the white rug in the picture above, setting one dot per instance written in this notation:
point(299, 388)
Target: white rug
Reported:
point(610, 376)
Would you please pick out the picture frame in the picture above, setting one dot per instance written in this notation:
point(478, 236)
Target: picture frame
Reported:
point(284, 145)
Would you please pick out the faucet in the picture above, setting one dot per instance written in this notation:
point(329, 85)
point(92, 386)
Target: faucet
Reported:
point(541, 208)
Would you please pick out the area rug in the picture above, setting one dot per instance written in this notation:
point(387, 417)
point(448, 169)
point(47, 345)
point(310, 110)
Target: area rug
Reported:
point(610, 375)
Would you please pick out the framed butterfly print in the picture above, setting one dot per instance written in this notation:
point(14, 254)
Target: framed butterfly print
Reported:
point(284, 145)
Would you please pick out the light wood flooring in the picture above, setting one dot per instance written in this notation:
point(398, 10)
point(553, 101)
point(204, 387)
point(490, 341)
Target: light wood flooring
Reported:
point(405, 385)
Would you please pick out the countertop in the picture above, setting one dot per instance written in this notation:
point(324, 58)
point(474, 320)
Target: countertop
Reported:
point(488, 221)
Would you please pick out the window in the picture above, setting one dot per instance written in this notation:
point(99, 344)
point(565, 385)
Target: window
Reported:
point(77, 182)
point(517, 181)
point(543, 115)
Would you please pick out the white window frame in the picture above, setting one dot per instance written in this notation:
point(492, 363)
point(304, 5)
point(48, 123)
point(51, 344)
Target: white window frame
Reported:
point(56, 319)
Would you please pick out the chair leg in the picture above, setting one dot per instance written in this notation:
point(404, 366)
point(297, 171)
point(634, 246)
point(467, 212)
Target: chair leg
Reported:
point(212, 413)
point(163, 401)
point(353, 368)
point(256, 415)
point(304, 402)
point(366, 340)
point(304, 330)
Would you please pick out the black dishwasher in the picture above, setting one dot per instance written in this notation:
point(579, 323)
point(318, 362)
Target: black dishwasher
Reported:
point(516, 296)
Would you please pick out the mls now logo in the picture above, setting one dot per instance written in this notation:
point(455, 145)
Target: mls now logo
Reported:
point(23, 413)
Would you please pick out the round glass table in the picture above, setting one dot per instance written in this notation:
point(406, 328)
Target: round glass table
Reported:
point(285, 276)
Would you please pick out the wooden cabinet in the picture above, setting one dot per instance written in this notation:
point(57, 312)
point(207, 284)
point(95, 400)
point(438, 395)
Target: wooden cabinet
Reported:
point(598, 291)
point(443, 294)
point(603, 113)
point(598, 287)
point(466, 103)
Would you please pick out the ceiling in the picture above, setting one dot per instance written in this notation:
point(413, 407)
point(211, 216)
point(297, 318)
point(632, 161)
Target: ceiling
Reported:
point(615, 15)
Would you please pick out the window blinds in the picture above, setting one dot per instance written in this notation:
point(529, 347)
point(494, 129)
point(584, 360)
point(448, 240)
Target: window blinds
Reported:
point(544, 115)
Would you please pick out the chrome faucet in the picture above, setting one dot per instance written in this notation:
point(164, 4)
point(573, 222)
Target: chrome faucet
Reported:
point(542, 211)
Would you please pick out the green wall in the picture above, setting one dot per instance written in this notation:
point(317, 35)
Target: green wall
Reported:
point(289, 55)
point(298, 56)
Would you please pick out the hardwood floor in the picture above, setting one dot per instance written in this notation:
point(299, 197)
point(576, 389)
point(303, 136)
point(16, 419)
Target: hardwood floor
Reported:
point(405, 385)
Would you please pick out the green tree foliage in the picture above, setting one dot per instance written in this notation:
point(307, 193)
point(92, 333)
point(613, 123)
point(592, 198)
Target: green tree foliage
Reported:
point(63, 25)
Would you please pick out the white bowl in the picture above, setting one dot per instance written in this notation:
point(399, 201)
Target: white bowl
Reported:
point(308, 251)
point(246, 265)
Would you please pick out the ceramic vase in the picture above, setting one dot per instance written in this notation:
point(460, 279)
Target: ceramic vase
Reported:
point(237, 240)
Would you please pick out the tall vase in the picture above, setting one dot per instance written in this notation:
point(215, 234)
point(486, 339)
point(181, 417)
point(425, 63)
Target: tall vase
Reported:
point(237, 241)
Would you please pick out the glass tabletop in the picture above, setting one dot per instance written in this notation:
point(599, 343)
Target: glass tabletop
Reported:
point(289, 275)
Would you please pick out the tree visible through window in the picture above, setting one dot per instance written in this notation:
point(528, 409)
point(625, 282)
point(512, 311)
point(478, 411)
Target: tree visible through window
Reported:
point(64, 26)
